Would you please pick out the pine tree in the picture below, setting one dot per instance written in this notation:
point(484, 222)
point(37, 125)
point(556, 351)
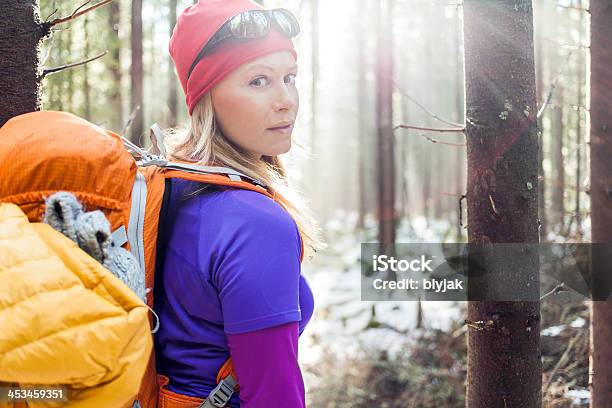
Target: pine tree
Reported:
point(504, 367)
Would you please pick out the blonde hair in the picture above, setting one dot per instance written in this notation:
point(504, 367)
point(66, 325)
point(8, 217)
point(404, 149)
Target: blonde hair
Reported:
point(203, 143)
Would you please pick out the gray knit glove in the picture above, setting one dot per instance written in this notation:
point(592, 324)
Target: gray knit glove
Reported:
point(91, 231)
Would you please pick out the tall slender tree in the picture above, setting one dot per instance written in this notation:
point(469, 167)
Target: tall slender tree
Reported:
point(384, 122)
point(21, 34)
point(600, 380)
point(460, 109)
point(136, 73)
point(314, 69)
point(558, 179)
point(172, 86)
point(504, 367)
point(114, 65)
point(541, 98)
point(579, 128)
point(362, 131)
point(86, 87)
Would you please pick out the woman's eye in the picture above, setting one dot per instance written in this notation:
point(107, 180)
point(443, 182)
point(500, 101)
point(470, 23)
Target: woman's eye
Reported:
point(290, 79)
point(260, 81)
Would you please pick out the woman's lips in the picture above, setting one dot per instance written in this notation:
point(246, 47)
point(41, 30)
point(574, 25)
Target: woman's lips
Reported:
point(282, 129)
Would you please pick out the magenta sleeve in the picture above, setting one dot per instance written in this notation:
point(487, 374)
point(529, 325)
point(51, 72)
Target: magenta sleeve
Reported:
point(266, 363)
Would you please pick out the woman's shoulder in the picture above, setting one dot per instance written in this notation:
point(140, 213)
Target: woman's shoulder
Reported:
point(253, 208)
point(232, 207)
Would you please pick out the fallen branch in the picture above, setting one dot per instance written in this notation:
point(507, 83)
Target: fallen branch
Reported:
point(442, 130)
point(561, 361)
point(48, 71)
point(76, 13)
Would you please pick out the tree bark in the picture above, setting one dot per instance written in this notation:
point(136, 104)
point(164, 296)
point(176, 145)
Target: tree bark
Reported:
point(136, 73)
point(20, 39)
point(172, 87)
point(460, 109)
point(314, 67)
point(384, 122)
point(362, 100)
point(541, 98)
point(601, 194)
point(579, 127)
point(558, 184)
point(504, 367)
point(114, 45)
point(86, 89)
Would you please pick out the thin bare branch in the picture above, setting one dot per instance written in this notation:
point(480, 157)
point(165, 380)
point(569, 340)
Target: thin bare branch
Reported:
point(554, 85)
point(443, 143)
point(433, 115)
point(442, 130)
point(573, 107)
point(130, 120)
point(574, 8)
point(448, 4)
point(566, 45)
point(51, 15)
point(48, 71)
point(557, 289)
point(76, 13)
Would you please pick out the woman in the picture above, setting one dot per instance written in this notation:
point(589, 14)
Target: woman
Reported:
point(231, 281)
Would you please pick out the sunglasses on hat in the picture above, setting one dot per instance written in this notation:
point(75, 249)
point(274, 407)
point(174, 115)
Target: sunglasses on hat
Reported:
point(248, 25)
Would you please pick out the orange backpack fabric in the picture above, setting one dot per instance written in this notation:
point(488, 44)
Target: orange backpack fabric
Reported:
point(48, 151)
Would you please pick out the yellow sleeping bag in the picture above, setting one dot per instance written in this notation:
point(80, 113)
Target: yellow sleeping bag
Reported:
point(65, 320)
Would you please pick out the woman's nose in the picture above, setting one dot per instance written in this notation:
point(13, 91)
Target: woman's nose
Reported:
point(285, 97)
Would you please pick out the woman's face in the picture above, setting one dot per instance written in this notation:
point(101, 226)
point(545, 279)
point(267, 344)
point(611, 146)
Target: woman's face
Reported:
point(256, 104)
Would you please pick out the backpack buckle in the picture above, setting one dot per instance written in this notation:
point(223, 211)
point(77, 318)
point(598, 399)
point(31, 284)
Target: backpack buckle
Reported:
point(220, 395)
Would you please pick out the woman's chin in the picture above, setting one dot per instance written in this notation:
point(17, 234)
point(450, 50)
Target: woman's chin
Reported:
point(278, 148)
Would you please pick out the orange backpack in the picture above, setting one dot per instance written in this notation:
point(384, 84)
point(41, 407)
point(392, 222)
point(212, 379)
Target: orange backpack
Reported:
point(47, 151)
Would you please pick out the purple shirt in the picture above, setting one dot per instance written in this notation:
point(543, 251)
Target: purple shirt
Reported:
point(231, 266)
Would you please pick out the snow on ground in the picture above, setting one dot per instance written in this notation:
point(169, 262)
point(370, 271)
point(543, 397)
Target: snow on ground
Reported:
point(340, 317)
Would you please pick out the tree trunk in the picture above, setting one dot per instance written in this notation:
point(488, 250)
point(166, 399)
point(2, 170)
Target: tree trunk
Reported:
point(136, 73)
point(579, 128)
point(172, 87)
point(384, 119)
point(504, 367)
point(363, 127)
point(558, 190)
point(426, 167)
point(20, 39)
point(114, 45)
point(541, 98)
point(460, 108)
point(86, 89)
point(601, 193)
point(406, 153)
point(314, 66)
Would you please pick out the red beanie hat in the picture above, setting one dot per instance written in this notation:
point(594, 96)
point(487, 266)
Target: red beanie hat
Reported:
point(195, 26)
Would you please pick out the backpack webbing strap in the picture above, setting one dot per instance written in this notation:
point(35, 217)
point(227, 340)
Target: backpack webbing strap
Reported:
point(136, 223)
point(221, 394)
